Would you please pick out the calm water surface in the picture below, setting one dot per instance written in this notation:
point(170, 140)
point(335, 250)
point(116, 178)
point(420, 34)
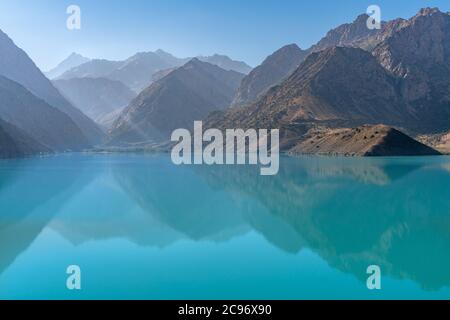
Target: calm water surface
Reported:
point(142, 228)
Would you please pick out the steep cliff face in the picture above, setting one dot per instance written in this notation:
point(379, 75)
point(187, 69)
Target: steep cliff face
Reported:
point(96, 97)
point(355, 34)
point(419, 53)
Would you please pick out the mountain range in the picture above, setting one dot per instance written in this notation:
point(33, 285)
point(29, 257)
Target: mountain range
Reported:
point(401, 79)
point(72, 61)
point(137, 71)
point(353, 77)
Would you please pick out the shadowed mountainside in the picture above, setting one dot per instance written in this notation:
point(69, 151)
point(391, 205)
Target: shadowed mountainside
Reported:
point(16, 143)
point(17, 66)
point(42, 122)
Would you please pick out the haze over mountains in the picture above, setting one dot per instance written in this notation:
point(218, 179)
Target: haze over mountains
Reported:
point(397, 76)
point(96, 97)
point(185, 95)
point(72, 61)
point(137, 71)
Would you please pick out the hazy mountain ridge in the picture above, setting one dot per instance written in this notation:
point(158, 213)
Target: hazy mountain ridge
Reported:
point(348, 86)
point(72, 61)
point(226, 63)
point(283, 62)
point(137, 71)
point(96, 97)
point(186, 94)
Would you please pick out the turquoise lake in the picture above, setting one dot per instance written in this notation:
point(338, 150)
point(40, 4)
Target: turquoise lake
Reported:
point(140, 227)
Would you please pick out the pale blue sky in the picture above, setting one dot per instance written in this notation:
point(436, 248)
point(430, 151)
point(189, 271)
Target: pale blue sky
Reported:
point(246, 30)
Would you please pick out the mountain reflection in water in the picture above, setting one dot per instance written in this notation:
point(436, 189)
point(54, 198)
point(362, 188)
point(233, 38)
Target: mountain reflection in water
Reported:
point(352, 213)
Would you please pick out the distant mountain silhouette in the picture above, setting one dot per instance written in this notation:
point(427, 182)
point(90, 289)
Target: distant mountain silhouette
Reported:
point(226, 63)
point(137, 71)
point(17, 66)
point(96, 97)
point(72, 61)
point(176, 101)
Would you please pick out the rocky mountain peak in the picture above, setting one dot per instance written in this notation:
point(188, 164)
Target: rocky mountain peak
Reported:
point(428, 11)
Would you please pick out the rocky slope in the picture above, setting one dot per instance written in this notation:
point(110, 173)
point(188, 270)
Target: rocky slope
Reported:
point(96, 68)
point(176, 101)
point(338, 86)
point(273, 70)
point(404, 83)
point(440, 142)
point(96, 97)
point(38, 119)
point(355, 34)
point(16, 143)
point(17, 66)
point(418, 53)
point(378, 140)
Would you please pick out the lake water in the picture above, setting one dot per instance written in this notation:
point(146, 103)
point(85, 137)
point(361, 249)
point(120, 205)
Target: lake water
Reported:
point(141, 228)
